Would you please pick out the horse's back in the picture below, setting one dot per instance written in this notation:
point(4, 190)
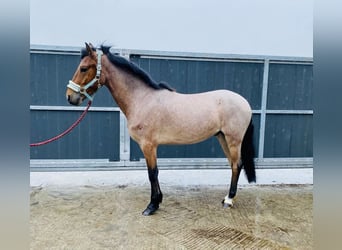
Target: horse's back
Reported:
point(224, 102)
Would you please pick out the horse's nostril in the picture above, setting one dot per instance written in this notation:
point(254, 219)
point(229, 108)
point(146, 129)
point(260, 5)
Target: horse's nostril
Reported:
point(68, 98)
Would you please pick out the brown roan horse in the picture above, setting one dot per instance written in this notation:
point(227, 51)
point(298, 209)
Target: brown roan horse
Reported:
point(156, 114)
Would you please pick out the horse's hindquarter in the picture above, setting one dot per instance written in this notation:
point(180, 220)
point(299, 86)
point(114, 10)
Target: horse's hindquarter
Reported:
point(174, 118)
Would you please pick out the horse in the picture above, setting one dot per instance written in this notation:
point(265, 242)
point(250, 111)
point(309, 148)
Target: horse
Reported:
point(157, 114)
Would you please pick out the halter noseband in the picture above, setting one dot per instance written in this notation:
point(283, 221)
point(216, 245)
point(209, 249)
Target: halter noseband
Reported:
point(83, 89)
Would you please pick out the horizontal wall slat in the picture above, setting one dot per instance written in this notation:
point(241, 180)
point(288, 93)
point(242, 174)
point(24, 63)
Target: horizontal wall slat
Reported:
point(163, 163)
point(73, 108)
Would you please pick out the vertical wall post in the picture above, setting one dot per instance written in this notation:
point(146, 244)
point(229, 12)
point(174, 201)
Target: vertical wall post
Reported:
point(263, 109)
point(124, 139)
point(125, 147)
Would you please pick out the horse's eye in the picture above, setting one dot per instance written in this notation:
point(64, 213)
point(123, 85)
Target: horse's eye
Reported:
point(84, 69)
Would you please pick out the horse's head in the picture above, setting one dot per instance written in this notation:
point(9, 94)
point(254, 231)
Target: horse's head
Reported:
point(86, 80)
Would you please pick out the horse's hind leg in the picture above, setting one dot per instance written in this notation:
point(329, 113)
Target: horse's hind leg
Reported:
point(150, 153)
point(232, 152)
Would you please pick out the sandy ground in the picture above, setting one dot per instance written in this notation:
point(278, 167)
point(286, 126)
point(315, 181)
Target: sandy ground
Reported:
point(191, 217)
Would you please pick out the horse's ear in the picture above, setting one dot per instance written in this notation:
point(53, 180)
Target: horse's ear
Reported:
point(89, 49)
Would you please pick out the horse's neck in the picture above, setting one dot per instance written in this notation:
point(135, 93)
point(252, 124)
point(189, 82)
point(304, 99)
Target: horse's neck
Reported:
point(126, 90)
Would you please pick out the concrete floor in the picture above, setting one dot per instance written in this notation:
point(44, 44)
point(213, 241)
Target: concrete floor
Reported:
point(190, 217)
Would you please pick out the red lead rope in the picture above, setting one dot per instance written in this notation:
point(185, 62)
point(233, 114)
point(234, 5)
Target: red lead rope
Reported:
point(66, 131)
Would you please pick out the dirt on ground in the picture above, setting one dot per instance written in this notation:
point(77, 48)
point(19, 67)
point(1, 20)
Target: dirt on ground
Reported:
point(109, 217)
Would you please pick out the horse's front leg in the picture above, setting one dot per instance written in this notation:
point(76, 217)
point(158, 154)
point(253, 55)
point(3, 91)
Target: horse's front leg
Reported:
point(150, 153)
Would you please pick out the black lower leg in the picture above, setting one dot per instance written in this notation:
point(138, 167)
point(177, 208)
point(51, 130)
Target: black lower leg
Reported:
point(234, 182)
point(233, 188)
point(156, 194)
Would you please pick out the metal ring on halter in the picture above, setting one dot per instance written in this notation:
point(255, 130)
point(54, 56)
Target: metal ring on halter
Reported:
point(83, 89)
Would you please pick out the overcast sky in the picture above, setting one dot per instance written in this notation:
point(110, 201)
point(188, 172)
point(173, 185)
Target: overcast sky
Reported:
point(255, 27)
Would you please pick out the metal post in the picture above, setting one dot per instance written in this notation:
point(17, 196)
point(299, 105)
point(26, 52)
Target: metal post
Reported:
point(263, 109)
point(124, 139)
point(125, 148)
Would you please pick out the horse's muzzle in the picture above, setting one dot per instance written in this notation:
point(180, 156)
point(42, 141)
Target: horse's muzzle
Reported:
point(75, 99)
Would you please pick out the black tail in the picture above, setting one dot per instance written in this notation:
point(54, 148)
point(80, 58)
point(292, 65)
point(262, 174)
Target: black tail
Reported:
point(248, 153)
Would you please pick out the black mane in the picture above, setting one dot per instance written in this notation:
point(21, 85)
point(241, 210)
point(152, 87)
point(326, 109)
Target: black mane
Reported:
point(130, 67)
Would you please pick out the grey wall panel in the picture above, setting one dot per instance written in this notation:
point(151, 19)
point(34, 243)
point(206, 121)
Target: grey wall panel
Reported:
point(96, 137)
point(190, 76)
point(290, 86)
point(288, 136)
point(49, 76)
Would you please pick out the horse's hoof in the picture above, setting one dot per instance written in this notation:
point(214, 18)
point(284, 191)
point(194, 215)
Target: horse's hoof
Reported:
point(227, 202)
point(151, 209)
point(226, 205)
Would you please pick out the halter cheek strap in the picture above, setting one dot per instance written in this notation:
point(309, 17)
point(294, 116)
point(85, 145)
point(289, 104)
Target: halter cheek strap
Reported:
point(83, 89)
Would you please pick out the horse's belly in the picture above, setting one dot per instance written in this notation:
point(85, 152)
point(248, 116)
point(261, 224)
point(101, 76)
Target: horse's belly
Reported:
point(187, 133)
point(182, 140)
